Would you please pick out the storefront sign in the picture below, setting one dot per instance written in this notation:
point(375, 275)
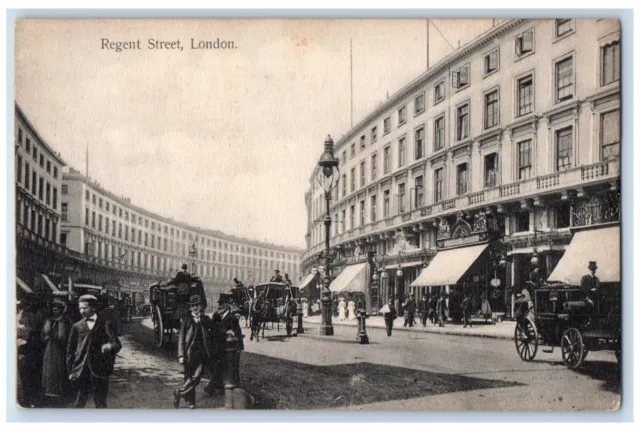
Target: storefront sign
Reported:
point(471, 239)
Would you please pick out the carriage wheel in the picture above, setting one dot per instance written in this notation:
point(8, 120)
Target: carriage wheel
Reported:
point(572, 348)
point(526, 338)
point(158, 328)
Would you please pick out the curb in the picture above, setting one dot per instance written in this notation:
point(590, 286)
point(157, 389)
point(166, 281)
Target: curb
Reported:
point(455, 332)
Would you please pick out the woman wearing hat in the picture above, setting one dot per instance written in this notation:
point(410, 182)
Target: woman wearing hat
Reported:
point(55, 333)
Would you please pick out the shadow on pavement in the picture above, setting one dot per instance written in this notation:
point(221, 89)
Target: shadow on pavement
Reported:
point(283, 384)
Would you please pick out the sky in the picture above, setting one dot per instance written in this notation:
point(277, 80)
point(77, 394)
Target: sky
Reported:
point(220, 139)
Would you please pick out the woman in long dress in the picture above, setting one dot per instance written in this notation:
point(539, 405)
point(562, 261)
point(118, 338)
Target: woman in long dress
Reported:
point(305, 309)
point(55, 334)
point(352, 309)
point(342, 309)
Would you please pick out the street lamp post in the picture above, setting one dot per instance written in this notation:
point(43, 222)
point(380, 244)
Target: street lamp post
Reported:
point(328, 165)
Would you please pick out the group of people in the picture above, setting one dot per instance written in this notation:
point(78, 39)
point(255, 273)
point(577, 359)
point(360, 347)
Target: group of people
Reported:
point(435, 309)
point(61, 361)
point(346, 309)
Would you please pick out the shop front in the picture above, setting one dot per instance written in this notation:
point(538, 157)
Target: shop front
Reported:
point(353, 283)
point(470, 261)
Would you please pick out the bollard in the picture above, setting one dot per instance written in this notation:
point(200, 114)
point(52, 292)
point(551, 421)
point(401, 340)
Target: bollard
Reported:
point(300, 329)
point(231, 369)
point(363, 338)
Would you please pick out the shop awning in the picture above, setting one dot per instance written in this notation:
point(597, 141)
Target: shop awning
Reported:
point(22, 285)
point(52, 286)
point(599, 245)
point(448, 266)
point(354, 278)
point(307, 281)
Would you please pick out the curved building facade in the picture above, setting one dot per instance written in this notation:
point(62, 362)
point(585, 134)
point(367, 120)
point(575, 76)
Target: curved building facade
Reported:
point(512, 141)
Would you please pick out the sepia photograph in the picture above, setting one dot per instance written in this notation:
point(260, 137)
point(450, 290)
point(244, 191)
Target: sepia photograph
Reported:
point(317, 214)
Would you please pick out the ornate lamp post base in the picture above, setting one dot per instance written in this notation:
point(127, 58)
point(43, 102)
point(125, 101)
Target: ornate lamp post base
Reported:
point(326, 328)
point(363, 338)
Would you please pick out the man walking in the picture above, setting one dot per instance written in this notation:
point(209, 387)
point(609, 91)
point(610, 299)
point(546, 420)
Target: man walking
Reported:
point(466, 310)
point(442, 309)
point(389, 315)
point(91, 354)
point(424, 310)
point(410, 311)
point(195, 351)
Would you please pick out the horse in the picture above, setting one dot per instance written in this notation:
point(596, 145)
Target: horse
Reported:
point(261, 313)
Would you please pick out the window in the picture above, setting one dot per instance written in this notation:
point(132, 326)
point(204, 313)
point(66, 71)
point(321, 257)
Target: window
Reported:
point(419, 192)
point(374, 134)
point(387, 159)
point(344, 185)
point(401, 195)
point(522, 221)
point(524, 160)
point(19, 169)
point(563, 27)
point(362, 213)
point(387, 125)
point(564, 147)
point(63, 238)
point(113, 228)
point(491, 109)
point(525, 95)
point(419, 104)
point(55, 172)
point(438, 131)
point(460, 77)
point(374, 166)
point(362, 142)
point(353, 179)
point(362, 173)
point(419, 143)
point(93, 199)
point(374, 208)
point(352, 217)
point(100, 222)
point(462, 126)
point(401, 151)
point(353, 149)
point(34, 183)
point(93, 219)
point(41, 189)
point(65, 189)
point(438, 179)
point(610, 63)
point(344, 157)
point(35, 154)
point(26, 176)
point(100, 203)
point(438, 92)
point(64, 210)
point(492, 61)
point(385, 208)
point(344, 220)
point(524, 43)
point(49, 166)
point(610, 134)
point(28, 145)
point(564, 80)
point(41, 161)
point(19, 135)
point(86, 216)
point(55, 198)
point(562, 216)
point(462, 179)
point(402, 115)
point(106, 226)
point(490, 170)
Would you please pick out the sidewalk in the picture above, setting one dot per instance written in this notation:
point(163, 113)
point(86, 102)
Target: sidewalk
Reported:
point(479, 329)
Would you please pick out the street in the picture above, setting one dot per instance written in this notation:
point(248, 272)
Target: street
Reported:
point(409, 370)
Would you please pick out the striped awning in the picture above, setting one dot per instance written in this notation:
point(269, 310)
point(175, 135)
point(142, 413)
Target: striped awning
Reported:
point(599, 245)
point(22, 285)
point(448, 266)
point(307, 281)
point(354, 278)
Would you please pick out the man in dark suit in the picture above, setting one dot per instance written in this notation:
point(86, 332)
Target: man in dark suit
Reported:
point(182, 276)
point(91, 354)
point(277, 278)
point(390, 315)
point(589, 284)
point(424, 310)
point(409, 311)
point(466, 310)
point(223, 321)
point(195, 351)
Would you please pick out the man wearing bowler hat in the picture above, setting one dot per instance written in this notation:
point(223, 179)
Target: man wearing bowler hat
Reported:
point(91, 354)
point(195, 351)
point(590, 283)
point(277, 278)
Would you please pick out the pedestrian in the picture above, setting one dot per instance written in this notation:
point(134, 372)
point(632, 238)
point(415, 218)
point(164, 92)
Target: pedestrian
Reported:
point(466, 310)
point(342, 309)
point(424, 310)
point(433, 309)
point(390, 315)
point(55, 335)
point(195, 351)
point(442, 309)
point(223, 323)
point(305, 308)
point(351, 306)
point(485, 309)
point(409, 311)
point(30, 348)
point(91, 354)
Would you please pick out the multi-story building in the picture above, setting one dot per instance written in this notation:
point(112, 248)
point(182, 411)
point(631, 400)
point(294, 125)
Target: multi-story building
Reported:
point(110, 229)
point(38, 179)
point(510, 142)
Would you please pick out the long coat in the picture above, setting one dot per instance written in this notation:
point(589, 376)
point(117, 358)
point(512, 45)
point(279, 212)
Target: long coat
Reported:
point(186, 347)
point(222, 323)
point(85, 348)
point(55, 379)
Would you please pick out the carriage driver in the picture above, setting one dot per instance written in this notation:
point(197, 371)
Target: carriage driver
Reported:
point(590, 284)
point(277, 278)
point(182, 276)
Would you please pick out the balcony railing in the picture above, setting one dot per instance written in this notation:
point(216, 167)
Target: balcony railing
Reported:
point(476, 198)
point(548, 181)
point(447, 205)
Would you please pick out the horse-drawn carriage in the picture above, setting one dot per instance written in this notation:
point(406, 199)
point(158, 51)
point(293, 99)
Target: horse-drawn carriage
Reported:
point(169, 304)
point(274, 302)
point(560, 315)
